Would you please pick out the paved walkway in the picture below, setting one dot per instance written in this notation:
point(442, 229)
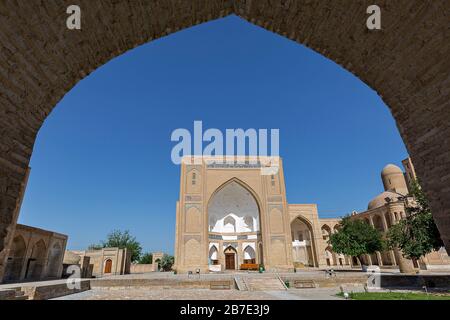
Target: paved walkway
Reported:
point(33, 284)
point(204, 294)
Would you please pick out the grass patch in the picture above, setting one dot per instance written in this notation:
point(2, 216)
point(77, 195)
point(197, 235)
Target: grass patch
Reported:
point(394, 296)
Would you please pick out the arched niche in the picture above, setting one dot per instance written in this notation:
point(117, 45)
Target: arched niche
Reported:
point(16, 259)
point(36, 261)
point(233, 209)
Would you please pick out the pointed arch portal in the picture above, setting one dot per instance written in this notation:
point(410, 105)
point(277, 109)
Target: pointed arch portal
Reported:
point(406, 64)
point(233, 209)
point(233, 222)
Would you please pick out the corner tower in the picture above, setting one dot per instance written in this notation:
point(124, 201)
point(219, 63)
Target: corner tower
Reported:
point(394, 179)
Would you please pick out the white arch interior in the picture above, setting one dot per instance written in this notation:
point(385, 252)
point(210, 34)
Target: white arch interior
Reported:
point(249, 253)
point(302, 251)
point(300, 231)
point(233, 209)
point(213, 255)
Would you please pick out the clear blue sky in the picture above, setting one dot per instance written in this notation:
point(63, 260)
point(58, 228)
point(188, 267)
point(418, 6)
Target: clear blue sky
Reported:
point(102, 158)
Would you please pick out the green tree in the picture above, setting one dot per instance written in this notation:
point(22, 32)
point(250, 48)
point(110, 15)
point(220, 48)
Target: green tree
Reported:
point(166, 262)
point(146, 258)
point(417, 234)
point(122, 239)
point(356, 238)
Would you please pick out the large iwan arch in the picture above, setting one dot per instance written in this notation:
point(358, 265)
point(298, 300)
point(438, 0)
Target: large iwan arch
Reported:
point(406, 63)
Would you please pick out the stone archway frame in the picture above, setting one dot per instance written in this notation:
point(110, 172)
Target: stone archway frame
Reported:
point(244, 186)
point(262, 218)
point(327, 228)
point(406, 63)
point(314, 247)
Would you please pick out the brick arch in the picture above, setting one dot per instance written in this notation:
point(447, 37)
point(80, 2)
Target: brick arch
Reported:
point(406, 63)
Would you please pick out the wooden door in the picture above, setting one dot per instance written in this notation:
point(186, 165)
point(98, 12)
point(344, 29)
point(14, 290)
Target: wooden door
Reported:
point(108, 266)
point(230, 263)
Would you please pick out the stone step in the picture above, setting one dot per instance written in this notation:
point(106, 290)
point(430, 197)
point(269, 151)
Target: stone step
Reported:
point(264, 284)
point(240, 284)
point(20, 295)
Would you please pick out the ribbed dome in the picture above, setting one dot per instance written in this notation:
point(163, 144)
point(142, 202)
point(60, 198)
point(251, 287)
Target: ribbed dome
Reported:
point(380, 200)
point(391, 169)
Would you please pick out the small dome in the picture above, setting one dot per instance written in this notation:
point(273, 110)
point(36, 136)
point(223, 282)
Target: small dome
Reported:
point(380, 200)
point(391, 169)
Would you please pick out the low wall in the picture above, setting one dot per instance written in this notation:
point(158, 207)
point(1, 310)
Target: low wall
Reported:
point(415, 281)
point(9, 294)
point(323, 282)
point(50, 291)
point(141, 268)
point(156, 283)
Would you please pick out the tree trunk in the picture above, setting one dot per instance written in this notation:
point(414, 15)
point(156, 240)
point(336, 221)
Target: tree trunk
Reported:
point(405, 265)
point(363, 267)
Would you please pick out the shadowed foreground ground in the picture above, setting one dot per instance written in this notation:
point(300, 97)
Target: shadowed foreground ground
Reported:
point(203, 294)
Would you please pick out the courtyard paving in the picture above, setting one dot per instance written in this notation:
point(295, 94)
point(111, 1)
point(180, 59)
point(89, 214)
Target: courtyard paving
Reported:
point(203, 294)
point(166, 286)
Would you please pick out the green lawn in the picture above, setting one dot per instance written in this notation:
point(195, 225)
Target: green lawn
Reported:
point(395, 296)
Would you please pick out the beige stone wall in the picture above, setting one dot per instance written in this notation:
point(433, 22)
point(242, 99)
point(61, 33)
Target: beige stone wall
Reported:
point(156, 258)
point(8, 240)
point(35, 254)
point(120, 260)
point(141, 268)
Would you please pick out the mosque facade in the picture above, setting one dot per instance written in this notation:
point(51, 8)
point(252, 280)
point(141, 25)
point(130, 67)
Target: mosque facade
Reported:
point(233, 215)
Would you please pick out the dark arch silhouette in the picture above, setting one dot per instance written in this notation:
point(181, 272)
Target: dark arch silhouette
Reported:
point(406, 64)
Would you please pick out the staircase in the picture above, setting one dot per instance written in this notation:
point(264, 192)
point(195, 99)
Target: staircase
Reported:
point(273, 283)
point(20, 295)
point(13, 294)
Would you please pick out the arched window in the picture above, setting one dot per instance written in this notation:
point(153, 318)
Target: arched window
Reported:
point(55, 261)
point(388, 219)
point(36, 262)
point(229, 224)
point(378, 223)
point(249, 223)
point(213, 256)
point(108, 266)
point(329, 257)
point(16, 258)
point(326, 232)
point(249, 255)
